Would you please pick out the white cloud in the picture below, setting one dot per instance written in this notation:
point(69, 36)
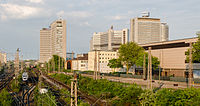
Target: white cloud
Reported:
point(35, 1)
point(85, 24)
point(14, 11)
point(60, 13)
point(78, 14)
point(117, 17)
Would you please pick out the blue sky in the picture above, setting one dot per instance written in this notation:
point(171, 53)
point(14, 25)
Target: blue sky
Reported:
point(21, 20)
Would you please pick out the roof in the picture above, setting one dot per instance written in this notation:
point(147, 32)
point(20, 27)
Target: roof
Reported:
point(85, 57)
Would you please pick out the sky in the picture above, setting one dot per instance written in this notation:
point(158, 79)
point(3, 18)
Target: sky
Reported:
point(21, 20)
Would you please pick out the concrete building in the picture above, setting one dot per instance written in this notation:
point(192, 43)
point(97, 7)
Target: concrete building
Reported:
point(148, 30)
point(45, 44)
point(53, 40)
point(80, 63)
point(3, 57)
point(98, 60)
point(58, 32)
point(171, 55)
point(110, 40)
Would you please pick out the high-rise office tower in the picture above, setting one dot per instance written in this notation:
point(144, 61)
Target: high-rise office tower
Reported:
point(110, 40)
point(164, 32)
point(53, 40)
point(45, 44)
point(58, 31)
point(147, 30)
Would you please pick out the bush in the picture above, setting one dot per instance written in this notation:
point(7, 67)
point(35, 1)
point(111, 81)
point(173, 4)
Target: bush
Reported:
point(5, 98)
point(171, 97)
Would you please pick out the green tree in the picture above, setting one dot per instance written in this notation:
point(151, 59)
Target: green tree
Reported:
point(115, 63)
point(195, 52)
point(54, 63)
point(5, 98)
point(155, 61)
point(129, 53)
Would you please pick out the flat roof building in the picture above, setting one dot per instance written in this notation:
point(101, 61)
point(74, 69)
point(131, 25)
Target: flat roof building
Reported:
point(98, 60)
point(171, 55)
point(53, 40)
point(110, 40)
point(147, 30)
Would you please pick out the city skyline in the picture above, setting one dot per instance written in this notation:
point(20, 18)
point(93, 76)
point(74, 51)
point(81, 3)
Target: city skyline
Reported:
point(27, 17)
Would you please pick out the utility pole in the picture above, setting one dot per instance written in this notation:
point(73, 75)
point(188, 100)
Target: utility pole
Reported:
point(53, 64)
point(98, 71)
point(71, 61)
point(22, 63)
point(74, 96)
point(77, 61)
point(95, 65)
point(58, 63)
point(190, 66)
point(49, 68)
point(144, 67)
point(160, 66)
point(17, 64)
point(62, 65)
point(149, 77)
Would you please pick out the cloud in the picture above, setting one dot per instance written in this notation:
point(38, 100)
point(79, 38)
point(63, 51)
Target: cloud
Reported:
point(79, 14)
point(15, 11)
point(85, 24)
point(60, 13)
point(117, 17)
point(36, 1)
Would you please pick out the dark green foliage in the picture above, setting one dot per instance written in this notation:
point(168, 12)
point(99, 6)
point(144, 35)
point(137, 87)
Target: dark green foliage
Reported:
point(171, 97)
point(46, 99)
point(195, 52)
point(129, 53)
point(54, 63)
point(115, 63)
point(5, 98)
point(155, 61)
point(113, 92)
point(63, 78)
point(121, 94)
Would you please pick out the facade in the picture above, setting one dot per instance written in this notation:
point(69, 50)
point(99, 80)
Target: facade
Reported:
point(58, 31)
point(171, 55)
point(148, 30)
point(110, 40)
point(53, 40)
point(98, 60)
point(45, 44)
point(3, 57)
point(80, 63)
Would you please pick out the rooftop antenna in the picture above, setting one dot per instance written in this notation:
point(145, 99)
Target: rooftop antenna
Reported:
point(145, 14)
point(111, 27)
point(60, 17)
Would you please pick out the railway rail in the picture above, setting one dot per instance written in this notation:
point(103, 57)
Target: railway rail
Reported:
point(89, 98)
point(6, 81)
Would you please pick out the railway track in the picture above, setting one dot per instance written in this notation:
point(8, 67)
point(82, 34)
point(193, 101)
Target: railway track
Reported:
point(6, 81)
point(89, 98)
